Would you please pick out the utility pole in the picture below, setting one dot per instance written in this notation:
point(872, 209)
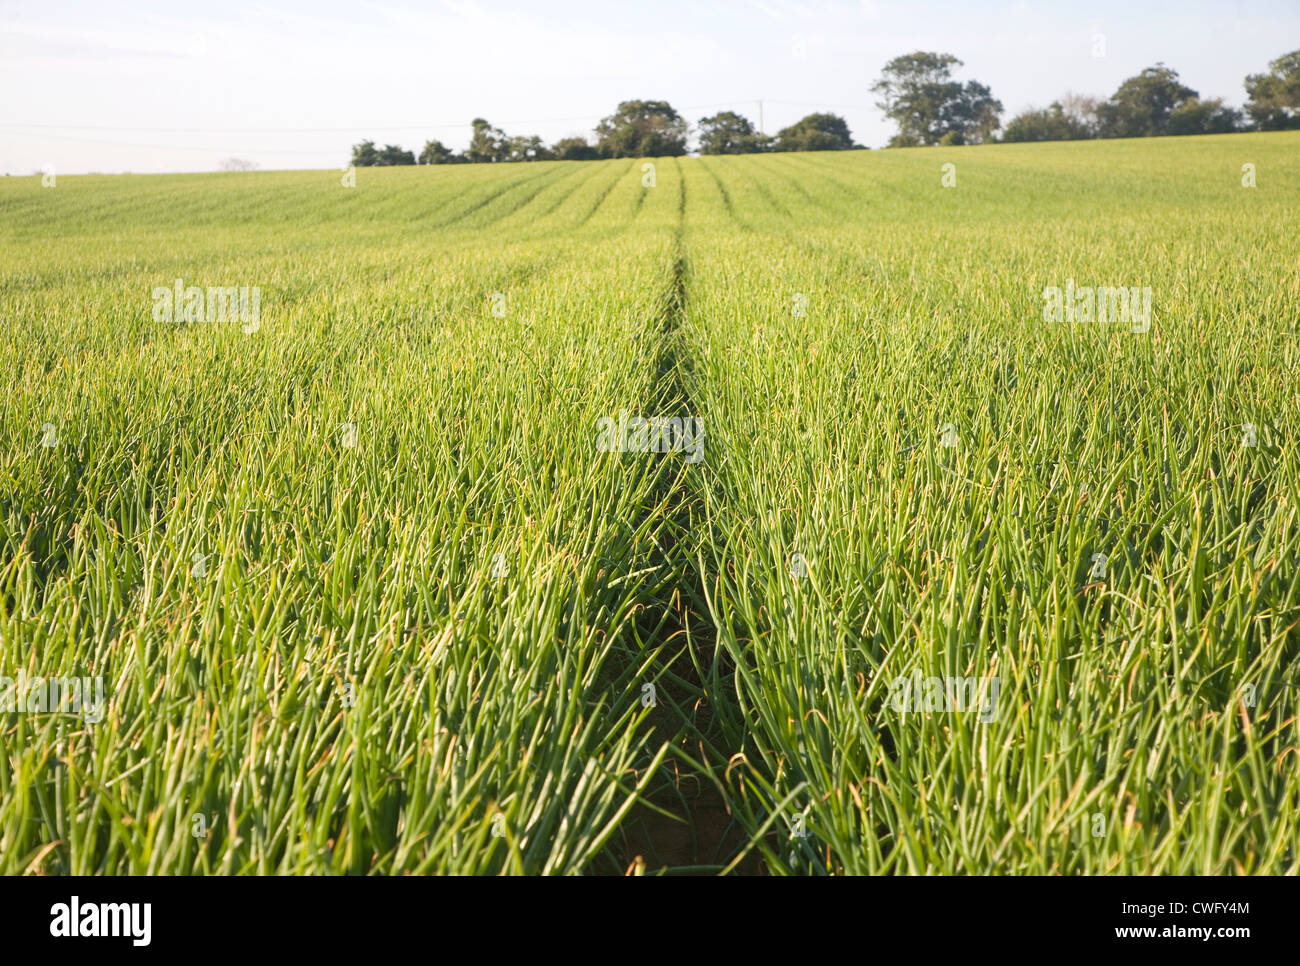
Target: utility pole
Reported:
point(760, 117)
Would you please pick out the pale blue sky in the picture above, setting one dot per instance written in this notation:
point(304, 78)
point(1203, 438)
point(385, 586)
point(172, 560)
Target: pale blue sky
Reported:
point(170, 85)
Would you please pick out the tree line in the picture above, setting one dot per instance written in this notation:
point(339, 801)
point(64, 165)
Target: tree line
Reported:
point(637, 129)
point(919, 93)
point(1156, 103)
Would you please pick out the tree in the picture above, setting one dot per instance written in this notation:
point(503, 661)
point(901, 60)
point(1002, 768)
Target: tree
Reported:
point(973, 117)
point(1205, 117)
point(1274, 103)
point(364, 154)
point(487, 143)
point(527, 149)
point(574, 149)
point(918, 93)
point(1069, 119)
point(1142, 104)
point(815, 132)
point(238, 164)
point(1040, 124)
point(1082, 112)
point(393, 155)
point(730, 133)
point(642, 129)
point(435, 152)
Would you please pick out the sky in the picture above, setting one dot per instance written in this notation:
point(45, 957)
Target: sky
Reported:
point(180, 86)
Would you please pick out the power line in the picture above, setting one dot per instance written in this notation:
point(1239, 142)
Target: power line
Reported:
point(271, 130)
point(182, 147)
point(358, 129)
point(842, 107)
point(328, 130)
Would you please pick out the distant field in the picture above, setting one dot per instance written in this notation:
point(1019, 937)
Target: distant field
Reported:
point(942, 586)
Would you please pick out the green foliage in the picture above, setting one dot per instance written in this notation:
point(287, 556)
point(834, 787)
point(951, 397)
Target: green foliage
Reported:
point(1274, 103)
point(435, 152)
point(1054, 123)
point(487, 144)
point(409, 650)
point(730, 133)
point(1205, 117)
point(1146, 720)
point(422, 647)
point(642, 129)
point(1142, 105)
point(574, 149)
point(365, 155)
point(527, 148)
point(392, 154)
point(815, 132)
point(1077, 117)
point(918, 93)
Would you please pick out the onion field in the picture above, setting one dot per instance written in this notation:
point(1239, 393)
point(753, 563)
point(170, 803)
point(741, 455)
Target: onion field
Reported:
point(921, 511)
